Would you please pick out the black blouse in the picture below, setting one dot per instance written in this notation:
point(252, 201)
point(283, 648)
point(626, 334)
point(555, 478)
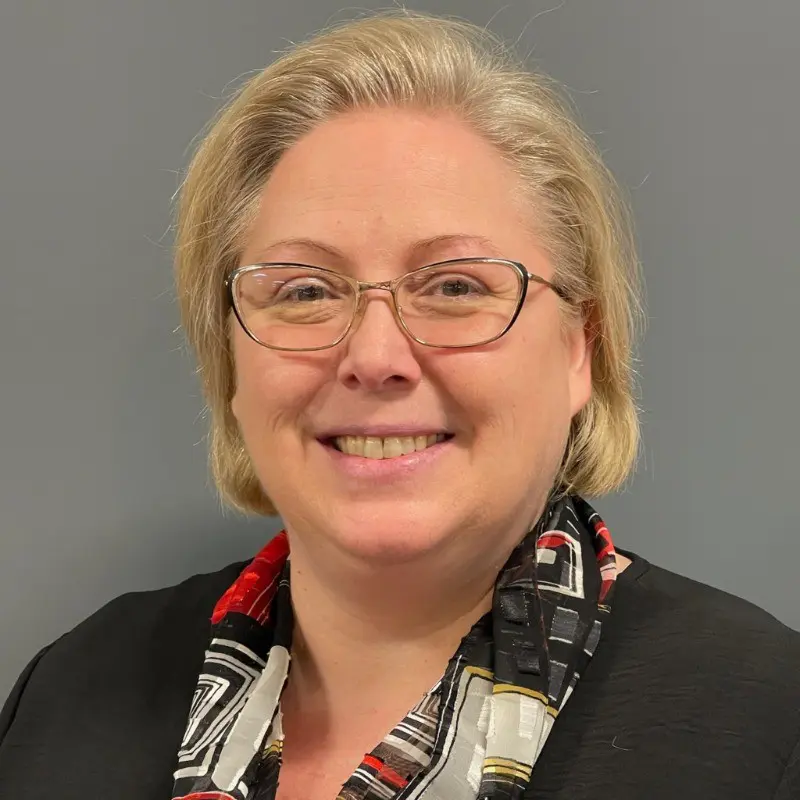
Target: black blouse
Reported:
point(692, 693)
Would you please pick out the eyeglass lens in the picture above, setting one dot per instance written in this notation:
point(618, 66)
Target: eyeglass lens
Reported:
point(303, 308)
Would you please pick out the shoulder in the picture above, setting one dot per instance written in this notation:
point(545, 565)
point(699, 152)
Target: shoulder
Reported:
point(123, 678)
point(141, 617)
point(139, 627)
point(692, 692)
point(143, 627)
point(731, 666)
point(707, 619)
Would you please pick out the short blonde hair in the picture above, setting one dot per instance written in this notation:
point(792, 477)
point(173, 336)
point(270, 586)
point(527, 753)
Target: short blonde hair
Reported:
point(405, 59)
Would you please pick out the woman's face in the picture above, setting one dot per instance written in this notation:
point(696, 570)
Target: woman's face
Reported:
point(390, 191)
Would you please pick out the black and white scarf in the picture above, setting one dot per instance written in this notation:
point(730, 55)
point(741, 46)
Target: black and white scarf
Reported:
point(475, 736)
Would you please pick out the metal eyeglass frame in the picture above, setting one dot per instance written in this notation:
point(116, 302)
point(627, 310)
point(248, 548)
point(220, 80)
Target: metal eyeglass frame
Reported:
point(359, 287)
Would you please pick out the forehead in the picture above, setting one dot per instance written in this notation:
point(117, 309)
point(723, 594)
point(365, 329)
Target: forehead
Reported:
point(391, 183)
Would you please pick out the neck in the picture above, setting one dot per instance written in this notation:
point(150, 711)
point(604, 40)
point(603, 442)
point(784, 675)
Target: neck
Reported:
point(373, 635)
point(394, 627)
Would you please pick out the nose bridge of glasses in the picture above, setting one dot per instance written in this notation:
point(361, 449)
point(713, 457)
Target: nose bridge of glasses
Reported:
point(386, 286)
point(359, 312)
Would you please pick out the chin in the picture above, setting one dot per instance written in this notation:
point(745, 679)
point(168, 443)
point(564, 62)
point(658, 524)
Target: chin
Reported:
point(392, 536)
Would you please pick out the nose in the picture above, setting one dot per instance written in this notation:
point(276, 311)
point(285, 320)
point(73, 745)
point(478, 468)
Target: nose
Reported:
point(379, 356)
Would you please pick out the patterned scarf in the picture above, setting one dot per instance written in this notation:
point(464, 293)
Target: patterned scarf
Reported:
point(475, 736)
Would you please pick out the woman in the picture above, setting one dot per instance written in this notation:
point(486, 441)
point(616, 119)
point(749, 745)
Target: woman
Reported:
point(411, 291)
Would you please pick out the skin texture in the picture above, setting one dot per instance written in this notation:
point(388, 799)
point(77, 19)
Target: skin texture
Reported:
point(396, 569)
point(372, 185)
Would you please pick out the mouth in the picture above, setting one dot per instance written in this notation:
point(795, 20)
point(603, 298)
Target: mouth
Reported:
point(384, 447)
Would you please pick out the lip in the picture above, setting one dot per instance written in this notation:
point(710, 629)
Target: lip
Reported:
point(382, 431)
point(385, 470)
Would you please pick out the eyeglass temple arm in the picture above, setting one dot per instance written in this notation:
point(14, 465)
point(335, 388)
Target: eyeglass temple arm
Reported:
point(562, 293)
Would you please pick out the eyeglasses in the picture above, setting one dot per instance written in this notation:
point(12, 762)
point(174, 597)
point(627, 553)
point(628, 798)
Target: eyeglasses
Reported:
point(462, 302)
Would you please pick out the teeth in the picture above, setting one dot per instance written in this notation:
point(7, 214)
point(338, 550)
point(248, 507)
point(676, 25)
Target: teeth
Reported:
point(392, 447)
point(387, 447)
point(373, 447)
point(408, 445)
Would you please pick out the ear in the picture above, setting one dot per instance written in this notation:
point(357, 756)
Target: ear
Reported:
point(581, 337)
point(235, 406)
point(238, 341)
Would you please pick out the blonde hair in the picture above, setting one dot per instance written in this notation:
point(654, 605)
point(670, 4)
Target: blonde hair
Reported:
point(406, 59)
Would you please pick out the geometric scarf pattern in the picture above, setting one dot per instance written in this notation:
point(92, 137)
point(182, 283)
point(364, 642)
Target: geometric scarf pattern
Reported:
point(475, 736)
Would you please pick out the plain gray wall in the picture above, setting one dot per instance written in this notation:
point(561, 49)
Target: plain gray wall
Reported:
point(103, 484)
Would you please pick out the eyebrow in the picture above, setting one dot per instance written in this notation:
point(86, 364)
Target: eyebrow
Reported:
point(419, 248)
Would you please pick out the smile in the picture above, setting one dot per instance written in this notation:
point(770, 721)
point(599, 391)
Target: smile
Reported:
point(383, 447)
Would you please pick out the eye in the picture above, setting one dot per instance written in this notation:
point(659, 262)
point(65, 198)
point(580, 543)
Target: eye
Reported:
point(307, 290)
point(456, 287)
point(453, 286)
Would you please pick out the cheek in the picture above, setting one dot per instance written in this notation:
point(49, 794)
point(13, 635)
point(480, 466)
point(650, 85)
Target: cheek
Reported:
point(525, 392)
point(271, 392)
point(249, 392)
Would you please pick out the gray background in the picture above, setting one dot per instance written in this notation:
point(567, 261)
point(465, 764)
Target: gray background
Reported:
point(103, 485)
